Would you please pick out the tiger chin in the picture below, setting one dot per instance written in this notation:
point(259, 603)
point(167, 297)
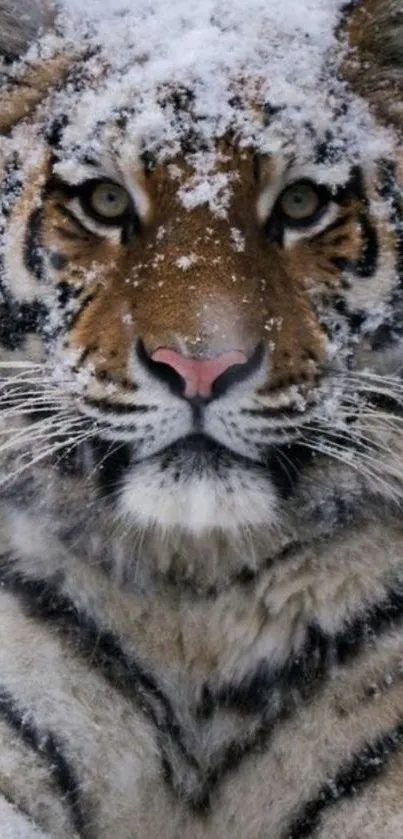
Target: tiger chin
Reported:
point(201, 456)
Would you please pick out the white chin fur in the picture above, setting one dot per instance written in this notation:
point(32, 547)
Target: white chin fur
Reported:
point(239, 500)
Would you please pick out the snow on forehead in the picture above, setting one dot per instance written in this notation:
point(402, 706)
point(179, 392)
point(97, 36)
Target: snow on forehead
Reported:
point(216, 48)
point(231, 55)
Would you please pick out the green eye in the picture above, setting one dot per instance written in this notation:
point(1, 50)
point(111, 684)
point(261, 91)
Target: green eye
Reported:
point(300, 201)
point(109, 200)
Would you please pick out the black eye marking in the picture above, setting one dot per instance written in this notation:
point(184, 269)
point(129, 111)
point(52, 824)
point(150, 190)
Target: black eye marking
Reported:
point(366, 265)
point(32, 255)
point(84, 232)
point(128, 221)
point(57, 260)
point(274, 230)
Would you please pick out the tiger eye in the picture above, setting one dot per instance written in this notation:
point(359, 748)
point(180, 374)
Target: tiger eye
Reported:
point(109, 200)
point(300, 201)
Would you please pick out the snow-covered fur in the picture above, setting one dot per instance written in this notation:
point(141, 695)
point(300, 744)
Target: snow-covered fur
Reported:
point(201, 488)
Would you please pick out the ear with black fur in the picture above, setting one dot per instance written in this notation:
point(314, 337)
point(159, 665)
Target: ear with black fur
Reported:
point(374, 66)
point(21, 21)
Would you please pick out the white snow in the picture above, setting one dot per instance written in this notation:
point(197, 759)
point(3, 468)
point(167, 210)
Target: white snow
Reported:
point(199, 69)
point(186, 262)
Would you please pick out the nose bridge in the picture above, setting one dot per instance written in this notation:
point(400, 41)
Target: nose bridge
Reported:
point(197, 291)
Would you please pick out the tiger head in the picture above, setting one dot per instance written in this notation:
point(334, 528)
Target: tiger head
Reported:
point(201, 306)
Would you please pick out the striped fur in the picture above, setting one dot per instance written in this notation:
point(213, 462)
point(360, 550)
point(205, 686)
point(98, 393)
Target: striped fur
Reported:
point(201, 610)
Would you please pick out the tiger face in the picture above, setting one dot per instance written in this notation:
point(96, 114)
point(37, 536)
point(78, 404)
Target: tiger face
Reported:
point(208, 325)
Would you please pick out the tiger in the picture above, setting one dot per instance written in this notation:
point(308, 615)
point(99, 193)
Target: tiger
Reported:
point(201, 416)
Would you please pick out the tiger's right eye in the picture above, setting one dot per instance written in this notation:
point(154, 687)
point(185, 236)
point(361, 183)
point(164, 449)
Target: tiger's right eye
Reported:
point(109, 200)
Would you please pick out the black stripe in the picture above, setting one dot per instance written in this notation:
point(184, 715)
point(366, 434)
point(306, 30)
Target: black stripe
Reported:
point(54, 132)
point(285, 464)
point(390, 190)
point(243, 579)
point(43, 600)
point(11, 188)
point(66, 293)
point(341, 221)
point(274, 695)
point(391, 331)
point(311, 664)
point(89, 350)
point(331, 149)
point(275, 413)
point(106, 407)
point(324, 151)
point(367, 263)
point(11, 184)
point(46, 746)
point(33, 257)
point(83, 305)
point(355, 317)
point(111, 463)
point(71, 237)
point(18, 320)
point(365, 766)
point(64, 211)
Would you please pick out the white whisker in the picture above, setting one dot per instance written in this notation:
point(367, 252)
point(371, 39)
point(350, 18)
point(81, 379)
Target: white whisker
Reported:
point(21, 364)
point(41, 455)
point(46, 428)
point(338, 453)
point(32, 405)
point(371, 443)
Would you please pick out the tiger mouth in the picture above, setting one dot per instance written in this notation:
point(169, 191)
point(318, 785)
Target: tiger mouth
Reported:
point(201, 452)
point(197, 455)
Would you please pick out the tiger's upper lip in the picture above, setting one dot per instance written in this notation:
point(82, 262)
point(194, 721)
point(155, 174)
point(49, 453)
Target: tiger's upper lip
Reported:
point(198, 405)
point(201, 445)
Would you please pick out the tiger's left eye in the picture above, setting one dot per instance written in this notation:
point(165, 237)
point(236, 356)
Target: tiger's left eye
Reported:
point(109, 200)
point(300, 201)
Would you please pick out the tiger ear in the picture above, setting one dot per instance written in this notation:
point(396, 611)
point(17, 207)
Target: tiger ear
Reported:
point(21, 23)
point(374, 65)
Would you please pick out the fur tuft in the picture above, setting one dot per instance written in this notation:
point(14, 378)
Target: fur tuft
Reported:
point(20, 23)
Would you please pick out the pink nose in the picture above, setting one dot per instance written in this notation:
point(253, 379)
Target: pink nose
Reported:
point(199, 374)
